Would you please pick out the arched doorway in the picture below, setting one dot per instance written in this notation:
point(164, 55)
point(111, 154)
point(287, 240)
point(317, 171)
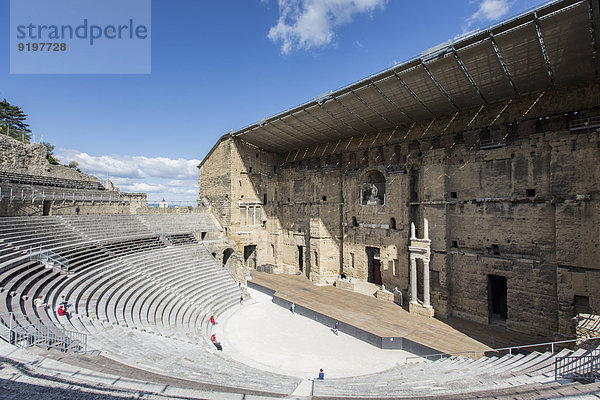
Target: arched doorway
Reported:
point(226, 254)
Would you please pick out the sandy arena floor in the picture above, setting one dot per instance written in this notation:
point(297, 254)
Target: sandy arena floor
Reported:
point(269, 337)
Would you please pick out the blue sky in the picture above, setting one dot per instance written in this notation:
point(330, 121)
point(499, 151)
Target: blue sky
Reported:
point(219, 66)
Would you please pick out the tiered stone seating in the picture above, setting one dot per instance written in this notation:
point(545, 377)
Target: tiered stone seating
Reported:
point(124, 286)
point(133, 246)
point(147, 305)
point(168, 291)
point(178, 358)
point(60, 379)
point(180, 223)
point(107, 227)
point(39, 180)
point(26, 233)
point(182, 238)
point(449, 376)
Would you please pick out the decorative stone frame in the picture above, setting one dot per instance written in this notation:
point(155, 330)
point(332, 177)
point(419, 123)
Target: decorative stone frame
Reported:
point(420, 249)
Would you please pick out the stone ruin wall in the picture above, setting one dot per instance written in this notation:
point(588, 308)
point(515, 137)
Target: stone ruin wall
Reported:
point(24, 158)
point(528, 211)
point(30, 159)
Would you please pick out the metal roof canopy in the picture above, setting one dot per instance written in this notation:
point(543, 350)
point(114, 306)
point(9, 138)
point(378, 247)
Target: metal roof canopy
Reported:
point(550, 46)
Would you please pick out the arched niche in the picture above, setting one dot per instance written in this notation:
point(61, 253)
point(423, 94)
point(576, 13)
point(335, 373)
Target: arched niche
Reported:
point(372, 188)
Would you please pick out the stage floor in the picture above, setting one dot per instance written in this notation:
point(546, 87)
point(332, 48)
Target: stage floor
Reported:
point(383, 319)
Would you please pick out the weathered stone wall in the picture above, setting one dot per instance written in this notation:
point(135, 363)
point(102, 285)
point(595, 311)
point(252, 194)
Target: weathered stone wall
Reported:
point(215, 182)
point(16, 156)
point(19, 208)
point(20, 157)
point(509, 192)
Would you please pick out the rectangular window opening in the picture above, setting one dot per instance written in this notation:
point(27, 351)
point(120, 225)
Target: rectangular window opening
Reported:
point(496, 249)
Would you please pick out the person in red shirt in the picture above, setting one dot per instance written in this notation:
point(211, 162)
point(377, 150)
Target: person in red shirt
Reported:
point(61, 311)
point(213, 339)
point(212, 320)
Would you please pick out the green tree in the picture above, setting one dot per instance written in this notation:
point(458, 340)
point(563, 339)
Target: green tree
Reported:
point(74, 165)
point(50, 153)
point(12, 120)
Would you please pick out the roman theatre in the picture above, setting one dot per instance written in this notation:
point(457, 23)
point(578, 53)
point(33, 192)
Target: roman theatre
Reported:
point(430, 231)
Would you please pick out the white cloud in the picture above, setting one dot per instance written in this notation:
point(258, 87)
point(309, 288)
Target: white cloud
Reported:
point(143, 187)
point(489, 11)
point(131, 166)
point(176, 182)
point(160, 177)
point(306, 24)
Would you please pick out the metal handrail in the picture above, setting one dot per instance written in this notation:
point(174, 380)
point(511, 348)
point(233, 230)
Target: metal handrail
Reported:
point(49, 259)
point(510, 349)
point(586, 366)
point(70, 195)
point(584, 123)
point(22, 333)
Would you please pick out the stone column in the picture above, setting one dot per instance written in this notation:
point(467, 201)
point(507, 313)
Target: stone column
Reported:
point(413, 280)
point(247, 216)
point(426, 297)
point(254, 216)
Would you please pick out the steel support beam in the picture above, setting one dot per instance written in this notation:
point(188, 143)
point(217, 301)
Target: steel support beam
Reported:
point(468, 75)
point(336, 118)
point(371, 108)
point(438, 85)
point(390, 100)
point(353, 113)
point(413, 94)
point(308, 126)
point(595, 18)
point(306, 135)
point(324, 123)
point(278, 136)
point(540, 36)
point(502, 63)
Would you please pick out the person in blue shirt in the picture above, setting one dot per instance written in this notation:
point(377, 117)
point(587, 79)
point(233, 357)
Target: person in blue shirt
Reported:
point(321, 374)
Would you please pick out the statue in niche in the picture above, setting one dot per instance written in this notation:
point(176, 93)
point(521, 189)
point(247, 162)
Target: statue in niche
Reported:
point(373, 199)
point(374, 191)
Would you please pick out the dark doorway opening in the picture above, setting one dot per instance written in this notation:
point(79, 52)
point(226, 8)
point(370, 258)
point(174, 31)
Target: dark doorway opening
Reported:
point(582, 305)
point(374, 265)
point(301, 258)
point(250, 256)
point(226, 254)
point(497, 299)
point(203, 235)
point(46, 207)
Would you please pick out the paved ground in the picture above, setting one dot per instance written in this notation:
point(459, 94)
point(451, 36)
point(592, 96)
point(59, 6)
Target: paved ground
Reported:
point(270, 337)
